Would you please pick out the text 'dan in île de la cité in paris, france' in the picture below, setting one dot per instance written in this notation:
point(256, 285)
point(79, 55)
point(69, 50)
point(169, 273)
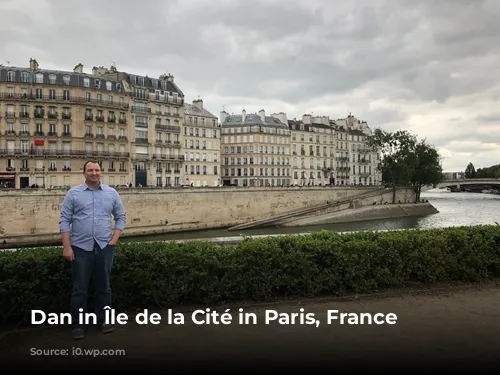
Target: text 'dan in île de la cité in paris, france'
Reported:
point(226, 317)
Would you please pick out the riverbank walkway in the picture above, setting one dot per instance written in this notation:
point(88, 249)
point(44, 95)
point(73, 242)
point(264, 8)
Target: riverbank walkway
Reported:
point(454, 328)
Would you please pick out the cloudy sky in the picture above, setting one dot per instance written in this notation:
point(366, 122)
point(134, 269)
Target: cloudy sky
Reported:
point(431, 67)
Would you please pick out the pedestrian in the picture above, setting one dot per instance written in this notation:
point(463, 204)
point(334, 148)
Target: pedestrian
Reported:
point(89, 243)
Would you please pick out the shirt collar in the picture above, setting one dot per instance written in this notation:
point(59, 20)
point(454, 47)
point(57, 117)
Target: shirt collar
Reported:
point(86, 187)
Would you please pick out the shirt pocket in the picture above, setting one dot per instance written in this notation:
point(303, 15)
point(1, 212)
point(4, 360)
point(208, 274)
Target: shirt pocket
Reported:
point(104, 206)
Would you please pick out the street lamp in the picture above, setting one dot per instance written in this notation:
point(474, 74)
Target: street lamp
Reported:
point(43, 174)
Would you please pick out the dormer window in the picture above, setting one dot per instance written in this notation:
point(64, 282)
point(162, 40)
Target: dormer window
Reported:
point(39, 78)
point(86, 82)
point(11, 76)
point(52, 79)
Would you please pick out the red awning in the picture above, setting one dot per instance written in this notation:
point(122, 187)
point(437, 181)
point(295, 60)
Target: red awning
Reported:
point(39, 142)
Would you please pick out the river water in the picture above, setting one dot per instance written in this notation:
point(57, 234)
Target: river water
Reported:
point(455, 209)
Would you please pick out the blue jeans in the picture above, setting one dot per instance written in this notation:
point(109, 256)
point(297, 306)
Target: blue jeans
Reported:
point(87, 264)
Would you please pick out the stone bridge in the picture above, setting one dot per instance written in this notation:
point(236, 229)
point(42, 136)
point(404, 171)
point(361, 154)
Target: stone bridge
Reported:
point(469, 181)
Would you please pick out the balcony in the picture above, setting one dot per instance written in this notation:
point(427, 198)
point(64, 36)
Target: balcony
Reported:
point(11, 115)
point(10, 133)
point(136, 108)
point(89, 117)
point(141, 141)
point(66, 134)
point(52, 134)
point(122, 121)
point(112, 119)
point(62, 100)
point(100, 136)
point(24, 133)
point(39, 114)
point(123, 138)
point(173, 128)
point(24, 115)
point(99, 118)
point(111, 137)
point(61, 152)
point(52, 115)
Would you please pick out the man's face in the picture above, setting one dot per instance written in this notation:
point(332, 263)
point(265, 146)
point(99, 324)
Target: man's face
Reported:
point(92, 172)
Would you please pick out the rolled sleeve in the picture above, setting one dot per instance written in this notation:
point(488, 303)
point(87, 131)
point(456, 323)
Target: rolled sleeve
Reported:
point(119, 214)
point(66, 213)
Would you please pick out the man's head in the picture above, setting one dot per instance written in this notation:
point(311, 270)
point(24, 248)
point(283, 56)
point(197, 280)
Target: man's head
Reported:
point(92, 171)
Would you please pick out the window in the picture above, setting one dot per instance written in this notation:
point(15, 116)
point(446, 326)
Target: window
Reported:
point(39, 78)
point(109, 86)
point(86, 82)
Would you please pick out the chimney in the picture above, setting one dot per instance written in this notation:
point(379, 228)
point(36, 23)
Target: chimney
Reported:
point(223, 116)
point(306, 119)
point(282, 117)
point(78, 68)
point(33, 65)
point(262, 115)
point(243, 115)
point(198, 103)
point(170, 78)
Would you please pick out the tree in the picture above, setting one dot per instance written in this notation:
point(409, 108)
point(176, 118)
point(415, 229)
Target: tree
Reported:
point(398, 159)
point(488, 172)
point(470, 171)
point(428, 169)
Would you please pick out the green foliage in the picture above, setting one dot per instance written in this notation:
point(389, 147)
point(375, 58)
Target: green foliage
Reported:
point(470, 171)
point(405, 161)
point(428, 169)
point(397, 156)
point(488, 172)
point(167, 275)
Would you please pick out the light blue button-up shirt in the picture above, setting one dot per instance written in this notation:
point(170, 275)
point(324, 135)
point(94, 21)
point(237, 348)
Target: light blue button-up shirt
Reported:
point(87, 213)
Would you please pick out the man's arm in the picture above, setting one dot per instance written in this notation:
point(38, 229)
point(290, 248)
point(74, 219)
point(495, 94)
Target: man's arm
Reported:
point(120, 219)
point(65, 221)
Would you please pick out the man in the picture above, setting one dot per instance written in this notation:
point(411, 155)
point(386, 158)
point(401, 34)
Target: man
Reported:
point(89, 243)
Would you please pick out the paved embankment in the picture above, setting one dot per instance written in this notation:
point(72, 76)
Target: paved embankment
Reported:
point(372, 212)
point(460, 325)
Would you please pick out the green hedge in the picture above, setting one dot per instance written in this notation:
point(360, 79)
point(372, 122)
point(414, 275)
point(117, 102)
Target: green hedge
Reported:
point(160, 275)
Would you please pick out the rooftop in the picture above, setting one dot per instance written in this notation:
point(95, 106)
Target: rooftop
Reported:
point(192, 110)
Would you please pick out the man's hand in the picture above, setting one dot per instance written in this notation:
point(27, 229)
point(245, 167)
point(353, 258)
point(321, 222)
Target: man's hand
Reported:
point(68, 253)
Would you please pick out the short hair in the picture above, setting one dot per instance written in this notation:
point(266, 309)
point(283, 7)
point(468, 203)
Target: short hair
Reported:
point(87, 162)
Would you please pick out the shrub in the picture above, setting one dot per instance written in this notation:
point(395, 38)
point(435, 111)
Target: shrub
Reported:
point(164, 274)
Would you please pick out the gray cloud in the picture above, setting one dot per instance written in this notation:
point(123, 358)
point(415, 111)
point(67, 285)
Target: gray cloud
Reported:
point(431, 67)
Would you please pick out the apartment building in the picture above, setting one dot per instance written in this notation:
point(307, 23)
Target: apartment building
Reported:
point(51, 122)
point(313, 151)
point(201, 146)
point(255, 150)
point(361, 163)
point(157, 112)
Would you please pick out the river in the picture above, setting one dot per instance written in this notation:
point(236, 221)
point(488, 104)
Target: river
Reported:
point(455, 209)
